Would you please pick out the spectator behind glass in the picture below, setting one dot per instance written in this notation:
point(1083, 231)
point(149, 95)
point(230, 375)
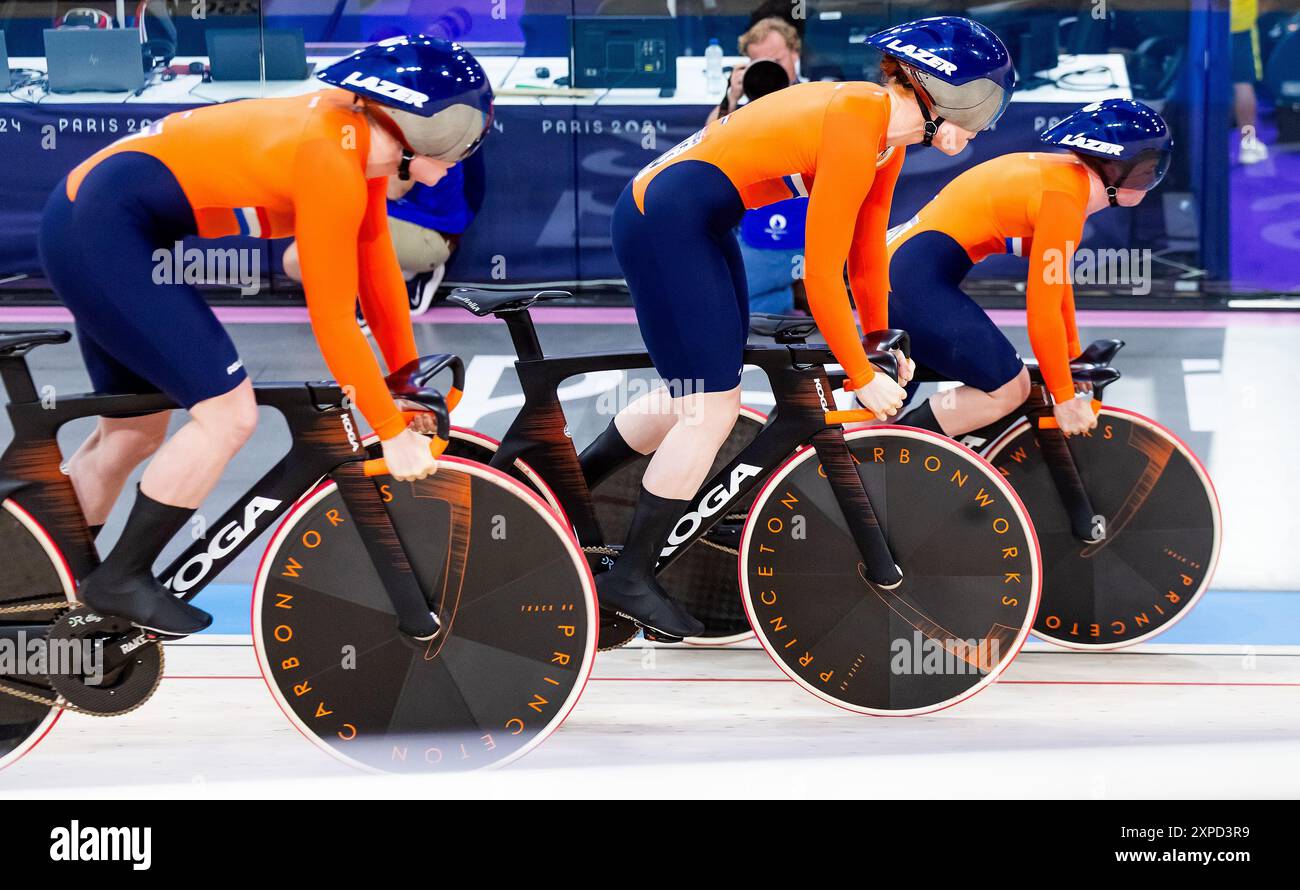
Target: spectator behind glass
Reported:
point(1246, 70)
point(770, 38)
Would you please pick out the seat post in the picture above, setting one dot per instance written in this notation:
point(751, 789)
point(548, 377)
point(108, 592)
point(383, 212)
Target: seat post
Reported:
point(522, 334)
point(17, 378)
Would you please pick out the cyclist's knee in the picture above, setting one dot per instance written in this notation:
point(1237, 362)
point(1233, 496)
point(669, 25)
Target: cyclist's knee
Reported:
point(133, 438)
point(711, 413)
point(229, 419)
point(1013, 393)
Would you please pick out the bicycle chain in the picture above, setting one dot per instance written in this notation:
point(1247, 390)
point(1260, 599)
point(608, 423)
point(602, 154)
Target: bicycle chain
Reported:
point(51, 606)
point(35, 698)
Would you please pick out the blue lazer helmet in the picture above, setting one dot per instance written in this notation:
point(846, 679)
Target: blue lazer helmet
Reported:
point(435, 97)
point(960, 70)
point(1126, 142)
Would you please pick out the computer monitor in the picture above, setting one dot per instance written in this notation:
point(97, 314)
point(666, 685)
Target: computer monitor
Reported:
point(234, 54)
point(1032, 36)
point(83, 59)
point(835, 44)
point(624, 51)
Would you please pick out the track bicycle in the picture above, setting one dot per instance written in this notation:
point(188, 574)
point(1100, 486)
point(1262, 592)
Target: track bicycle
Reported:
point(1127, 516)
point(448, 623)
point(889, 571)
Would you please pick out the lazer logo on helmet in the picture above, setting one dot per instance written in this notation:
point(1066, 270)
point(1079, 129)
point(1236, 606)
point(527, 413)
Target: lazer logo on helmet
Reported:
point(1110, 148)
point(222, 543)
point(714, 500)
point(386, 88)
point(925, 57)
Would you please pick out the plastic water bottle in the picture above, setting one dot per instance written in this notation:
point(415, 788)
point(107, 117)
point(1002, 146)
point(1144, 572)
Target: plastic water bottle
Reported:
point(713, 67)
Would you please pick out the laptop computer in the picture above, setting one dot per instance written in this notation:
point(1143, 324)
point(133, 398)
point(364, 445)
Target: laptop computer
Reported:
point(83, 59)
point(233, 54)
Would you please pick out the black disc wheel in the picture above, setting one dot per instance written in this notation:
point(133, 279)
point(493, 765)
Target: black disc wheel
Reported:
point(1162, 528)
point(514, 596)
point(971, 576)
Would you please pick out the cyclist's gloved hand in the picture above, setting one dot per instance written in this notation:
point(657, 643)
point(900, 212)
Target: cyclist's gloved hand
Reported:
point(408, 456)
point(882, 397)
point(1075, 417)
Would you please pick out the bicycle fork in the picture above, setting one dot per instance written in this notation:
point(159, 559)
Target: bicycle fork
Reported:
point(842, 474)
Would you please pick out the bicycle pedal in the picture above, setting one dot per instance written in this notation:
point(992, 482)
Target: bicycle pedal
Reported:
point(655, 636)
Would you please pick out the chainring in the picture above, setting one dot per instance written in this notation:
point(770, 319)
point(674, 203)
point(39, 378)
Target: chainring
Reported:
point(80, 640)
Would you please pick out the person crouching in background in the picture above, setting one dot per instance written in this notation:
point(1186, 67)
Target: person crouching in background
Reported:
point(426, 224)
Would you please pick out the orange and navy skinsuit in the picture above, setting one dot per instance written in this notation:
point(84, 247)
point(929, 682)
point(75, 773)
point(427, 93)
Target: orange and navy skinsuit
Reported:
point(672, 226)
point(1029, 204)
point(269, 168)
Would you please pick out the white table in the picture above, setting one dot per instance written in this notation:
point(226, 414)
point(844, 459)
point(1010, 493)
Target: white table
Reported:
point(1108, 80)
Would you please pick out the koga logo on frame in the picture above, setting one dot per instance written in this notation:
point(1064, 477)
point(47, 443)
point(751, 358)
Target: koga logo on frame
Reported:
point(90, 844)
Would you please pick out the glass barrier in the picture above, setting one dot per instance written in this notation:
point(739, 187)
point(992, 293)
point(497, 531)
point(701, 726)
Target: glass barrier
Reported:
point(588, 92)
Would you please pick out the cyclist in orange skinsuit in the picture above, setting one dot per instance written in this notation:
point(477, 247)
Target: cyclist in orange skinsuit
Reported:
point(1031, 204)
point(271, 188)
point(841, 145)
point(313, 166)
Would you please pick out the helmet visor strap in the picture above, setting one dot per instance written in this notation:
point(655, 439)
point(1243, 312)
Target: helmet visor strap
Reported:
point(932, 125)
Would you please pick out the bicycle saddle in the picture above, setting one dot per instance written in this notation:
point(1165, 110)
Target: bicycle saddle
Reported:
point(492, 302)
point(19, 342)
point(782, 328)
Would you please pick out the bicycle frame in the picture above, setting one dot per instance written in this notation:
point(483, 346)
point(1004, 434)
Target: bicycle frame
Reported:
point(324, 443)
point(539, 436)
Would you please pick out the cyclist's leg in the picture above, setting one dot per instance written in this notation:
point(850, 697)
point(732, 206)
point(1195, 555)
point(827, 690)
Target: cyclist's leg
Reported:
point(642, 424)
point(952, 335)
point(100, 466)
point(163, 333)
point(675, 256)
point(686, 278)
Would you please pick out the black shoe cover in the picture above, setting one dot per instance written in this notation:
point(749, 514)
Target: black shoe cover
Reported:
point(645, 602)
point(143, 601)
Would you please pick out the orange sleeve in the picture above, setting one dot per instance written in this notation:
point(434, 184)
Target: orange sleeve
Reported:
point(383, 289)
point(850, 135)
point(328, 222)
point(869, 257)
point(1048, 295)
point(1071, 324)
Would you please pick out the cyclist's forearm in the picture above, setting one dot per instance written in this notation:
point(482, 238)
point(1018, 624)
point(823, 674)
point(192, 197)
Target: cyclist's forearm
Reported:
point(353, 365)
point(383, 302)
point(829, 302)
